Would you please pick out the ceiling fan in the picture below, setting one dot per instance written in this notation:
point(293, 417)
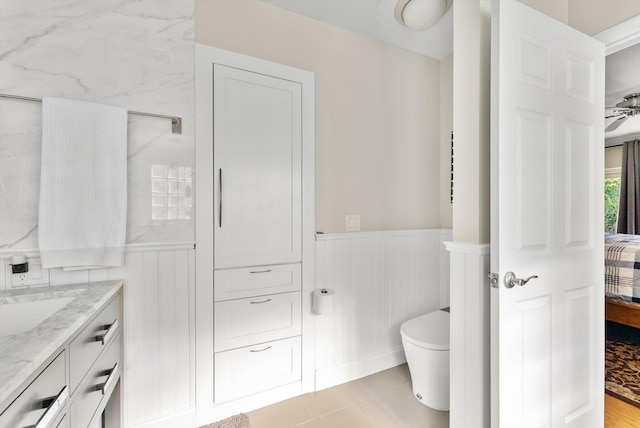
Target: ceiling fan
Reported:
point(630, 106)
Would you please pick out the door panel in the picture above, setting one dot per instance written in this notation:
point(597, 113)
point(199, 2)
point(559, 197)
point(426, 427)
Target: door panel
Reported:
point(547, 151)
point(533, 178)
point(257, 169)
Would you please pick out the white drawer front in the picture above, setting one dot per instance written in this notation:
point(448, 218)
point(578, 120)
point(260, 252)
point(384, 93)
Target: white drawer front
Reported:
point(88, 345)
point(98, 384)
point(256, 281)
point(255, 320)
point(30, 406)
point(254, 369)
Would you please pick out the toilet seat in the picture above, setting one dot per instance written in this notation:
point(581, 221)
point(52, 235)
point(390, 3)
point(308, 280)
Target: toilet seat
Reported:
point(430, 331)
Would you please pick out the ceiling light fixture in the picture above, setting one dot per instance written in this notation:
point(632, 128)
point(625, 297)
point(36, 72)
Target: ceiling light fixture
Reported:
point(420, 14)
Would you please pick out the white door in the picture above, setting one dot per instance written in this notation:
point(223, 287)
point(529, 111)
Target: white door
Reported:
point(257, 168)
point(547, 220)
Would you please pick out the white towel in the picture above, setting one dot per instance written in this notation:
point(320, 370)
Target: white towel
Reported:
point(83, 184)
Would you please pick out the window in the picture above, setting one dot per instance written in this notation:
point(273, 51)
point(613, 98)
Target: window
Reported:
point(611, 202)
point(171, 192)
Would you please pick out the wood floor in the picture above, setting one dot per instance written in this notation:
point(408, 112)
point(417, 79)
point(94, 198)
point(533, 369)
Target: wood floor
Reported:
point(619, 414)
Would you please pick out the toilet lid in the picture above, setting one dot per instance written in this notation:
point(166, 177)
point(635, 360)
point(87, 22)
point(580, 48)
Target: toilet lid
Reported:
point(428, 331)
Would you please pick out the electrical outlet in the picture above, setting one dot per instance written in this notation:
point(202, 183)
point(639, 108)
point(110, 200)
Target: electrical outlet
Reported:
point(34, 276)
point(353, 223)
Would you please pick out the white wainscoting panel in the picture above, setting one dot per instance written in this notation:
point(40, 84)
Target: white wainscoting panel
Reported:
point(159, 336)
point(470, 355)
point(380, 279)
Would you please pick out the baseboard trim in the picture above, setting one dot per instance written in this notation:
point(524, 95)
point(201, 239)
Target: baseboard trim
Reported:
point(256, 401)
point(332, 376)
point(186, 418)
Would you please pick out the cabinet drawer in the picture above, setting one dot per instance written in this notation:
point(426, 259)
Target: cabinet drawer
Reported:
point(258, 319)
point(256, 281)
point(88, 345)
point(64, 422)
point(253, 369)
point(98, 383)
point(46, 394)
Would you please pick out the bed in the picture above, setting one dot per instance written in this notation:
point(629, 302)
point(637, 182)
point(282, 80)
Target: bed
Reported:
point(622, 279)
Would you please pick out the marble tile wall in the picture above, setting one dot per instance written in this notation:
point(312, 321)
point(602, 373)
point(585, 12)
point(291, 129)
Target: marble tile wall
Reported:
point(132, 53)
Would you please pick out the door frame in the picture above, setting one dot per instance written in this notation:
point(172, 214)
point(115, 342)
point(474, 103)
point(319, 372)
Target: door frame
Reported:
point(205, 57)
point(620, 36)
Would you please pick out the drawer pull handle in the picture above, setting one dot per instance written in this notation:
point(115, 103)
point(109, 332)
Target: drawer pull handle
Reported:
point(261, 271)
point(111, 330)
point(53, 408)
point(260, 350)
point(113, 374)
point(220, 196)
point(262, 301)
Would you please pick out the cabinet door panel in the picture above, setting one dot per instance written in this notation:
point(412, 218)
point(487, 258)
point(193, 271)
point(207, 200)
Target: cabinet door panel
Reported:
point(257, 169)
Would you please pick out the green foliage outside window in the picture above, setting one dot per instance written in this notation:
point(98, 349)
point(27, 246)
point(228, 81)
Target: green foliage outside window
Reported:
point(611, 200)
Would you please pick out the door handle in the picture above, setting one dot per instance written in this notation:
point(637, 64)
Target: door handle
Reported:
point(510, 280)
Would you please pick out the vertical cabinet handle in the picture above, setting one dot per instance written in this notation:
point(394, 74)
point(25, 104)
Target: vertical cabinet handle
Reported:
point(53, 408)
point(220, 198)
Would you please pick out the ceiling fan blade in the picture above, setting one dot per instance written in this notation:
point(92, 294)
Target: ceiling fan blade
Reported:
point(615, 124)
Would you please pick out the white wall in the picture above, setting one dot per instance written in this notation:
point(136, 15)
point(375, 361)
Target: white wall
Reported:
point(378, 112)
point(594, 16)
point(134, 54)
point(446, 127)
point(613, 157)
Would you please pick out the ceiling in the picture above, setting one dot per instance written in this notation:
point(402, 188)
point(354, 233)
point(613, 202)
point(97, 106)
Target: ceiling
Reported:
point(375, 18)
point(622, 78)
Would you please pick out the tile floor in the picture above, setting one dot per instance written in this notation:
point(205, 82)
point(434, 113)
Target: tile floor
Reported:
point(382, 400)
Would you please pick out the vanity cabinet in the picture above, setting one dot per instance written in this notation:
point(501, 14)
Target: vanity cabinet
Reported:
point(43, 401)
point(95, 361)
point(73, 388)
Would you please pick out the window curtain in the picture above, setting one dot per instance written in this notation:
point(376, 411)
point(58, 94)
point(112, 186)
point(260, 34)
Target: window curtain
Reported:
point(629, 213)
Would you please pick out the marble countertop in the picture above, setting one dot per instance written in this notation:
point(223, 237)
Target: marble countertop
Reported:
point(21, 354)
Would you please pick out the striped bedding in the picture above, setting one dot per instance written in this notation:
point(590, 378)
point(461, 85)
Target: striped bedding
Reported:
point(622, 266)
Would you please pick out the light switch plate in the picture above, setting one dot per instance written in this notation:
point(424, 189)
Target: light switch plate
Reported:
point(353, 223)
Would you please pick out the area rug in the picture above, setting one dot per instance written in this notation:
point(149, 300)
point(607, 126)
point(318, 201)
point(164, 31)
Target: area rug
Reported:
point(240, 420)
point(622, 371)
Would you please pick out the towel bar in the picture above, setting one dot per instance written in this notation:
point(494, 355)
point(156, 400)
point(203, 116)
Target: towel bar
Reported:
point(176, 122)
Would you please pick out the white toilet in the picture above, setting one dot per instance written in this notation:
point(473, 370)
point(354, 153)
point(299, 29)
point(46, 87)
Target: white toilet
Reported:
point(426, 345)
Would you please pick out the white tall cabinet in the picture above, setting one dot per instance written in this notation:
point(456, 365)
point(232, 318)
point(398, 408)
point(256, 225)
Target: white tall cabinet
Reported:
point(254, 232)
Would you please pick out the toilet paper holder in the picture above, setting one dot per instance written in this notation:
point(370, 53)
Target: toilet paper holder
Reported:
point(322, 301)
